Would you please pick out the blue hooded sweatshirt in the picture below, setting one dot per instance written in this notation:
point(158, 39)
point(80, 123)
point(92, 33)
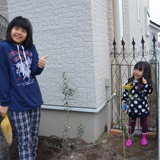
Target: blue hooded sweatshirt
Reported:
point(18, 85)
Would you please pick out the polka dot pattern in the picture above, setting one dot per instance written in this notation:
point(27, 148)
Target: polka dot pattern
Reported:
point(139, 105)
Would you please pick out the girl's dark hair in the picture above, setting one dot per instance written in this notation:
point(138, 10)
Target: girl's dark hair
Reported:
point(145, 66)
point(25, 24)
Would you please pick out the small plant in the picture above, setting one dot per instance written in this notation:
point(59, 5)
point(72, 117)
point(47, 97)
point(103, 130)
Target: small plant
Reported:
point(107, 135)
point(68, 93)
point(123, 125)
point(80, 131)
point(65, 139)
point(124, 133)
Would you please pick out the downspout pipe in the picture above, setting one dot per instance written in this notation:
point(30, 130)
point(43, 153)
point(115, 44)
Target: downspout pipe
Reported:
point(117, 31)
point(118, 38)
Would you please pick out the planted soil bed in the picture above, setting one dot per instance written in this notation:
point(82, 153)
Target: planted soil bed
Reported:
point(110, 149)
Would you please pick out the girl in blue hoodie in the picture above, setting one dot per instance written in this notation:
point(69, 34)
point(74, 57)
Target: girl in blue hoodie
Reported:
point(19, 90)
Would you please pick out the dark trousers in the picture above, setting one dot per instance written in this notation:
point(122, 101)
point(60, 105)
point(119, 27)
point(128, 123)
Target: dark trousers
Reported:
point(143, 123)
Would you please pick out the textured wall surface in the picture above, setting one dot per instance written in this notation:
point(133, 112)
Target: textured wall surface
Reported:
point(135, 25)
point(77, 35)
point(4, 8)
point(3, 21)
point(126, 25)
point(100, 48)
point(63, 29)
point(110, 24)
point(153, 31)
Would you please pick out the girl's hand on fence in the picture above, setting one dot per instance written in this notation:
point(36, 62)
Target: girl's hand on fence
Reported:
point(42, 61)
point(124, 107)
point(144, 80)
point(3, 110)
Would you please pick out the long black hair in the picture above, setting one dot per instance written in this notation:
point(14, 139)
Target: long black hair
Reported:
point(145, 67)
point(25, 24)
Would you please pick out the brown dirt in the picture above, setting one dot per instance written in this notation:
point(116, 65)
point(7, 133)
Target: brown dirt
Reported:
point(110, 149)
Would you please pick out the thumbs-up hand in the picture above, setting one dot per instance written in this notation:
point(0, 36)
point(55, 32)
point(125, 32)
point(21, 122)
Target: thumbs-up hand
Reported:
point(42, 61)
point(144, 80)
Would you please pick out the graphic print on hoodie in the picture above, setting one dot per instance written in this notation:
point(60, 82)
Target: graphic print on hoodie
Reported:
point(19, 88)
point(22, 61)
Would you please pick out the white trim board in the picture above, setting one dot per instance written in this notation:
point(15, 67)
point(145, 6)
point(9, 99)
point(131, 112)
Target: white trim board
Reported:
point(154, 26)
point(76, 109)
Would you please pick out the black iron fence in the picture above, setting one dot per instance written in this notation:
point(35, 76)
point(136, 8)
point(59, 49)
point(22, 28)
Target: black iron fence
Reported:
point(122, 65)
point(3, 27)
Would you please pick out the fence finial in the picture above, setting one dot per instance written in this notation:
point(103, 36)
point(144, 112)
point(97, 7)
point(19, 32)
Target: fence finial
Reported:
point(142, 41)
point(123, 43)
point(114, 43)
point(154, 41)
point(133, 42)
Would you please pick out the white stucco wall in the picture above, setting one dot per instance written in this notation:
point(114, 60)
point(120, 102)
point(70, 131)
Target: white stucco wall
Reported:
point(100, 48)
point(74, 34)
point(135, 24)
point(63, 29)
point(153, 31)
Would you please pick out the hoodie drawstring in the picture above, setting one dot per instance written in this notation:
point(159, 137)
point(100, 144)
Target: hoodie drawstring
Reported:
point(25, 58)
point(21, 59)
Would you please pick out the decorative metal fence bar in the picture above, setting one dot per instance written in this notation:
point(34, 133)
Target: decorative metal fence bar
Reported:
point(122, 66)
point(3, 27)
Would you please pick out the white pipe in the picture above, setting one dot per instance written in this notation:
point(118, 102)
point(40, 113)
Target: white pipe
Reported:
point(117, 31)
point(118, 38)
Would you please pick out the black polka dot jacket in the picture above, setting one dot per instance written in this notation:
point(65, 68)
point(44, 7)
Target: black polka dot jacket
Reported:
point(137, 103)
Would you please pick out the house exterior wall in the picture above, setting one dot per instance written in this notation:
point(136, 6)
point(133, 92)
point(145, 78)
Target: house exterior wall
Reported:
point(126, 25)
point(153, 31)
point(135, 25)
point(132, 26)
point(74, 34)
point(78, 36)
point(52, 123)
point(4, 8)
point(62, 29)
point(110, 26)
point(3, 13)
point(100, 48)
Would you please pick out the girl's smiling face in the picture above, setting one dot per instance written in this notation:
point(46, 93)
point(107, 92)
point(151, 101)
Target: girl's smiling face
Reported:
point(18, 35)
point(138, 73)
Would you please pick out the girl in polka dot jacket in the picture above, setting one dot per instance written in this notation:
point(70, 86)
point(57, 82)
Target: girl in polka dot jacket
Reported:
point(139, 105)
